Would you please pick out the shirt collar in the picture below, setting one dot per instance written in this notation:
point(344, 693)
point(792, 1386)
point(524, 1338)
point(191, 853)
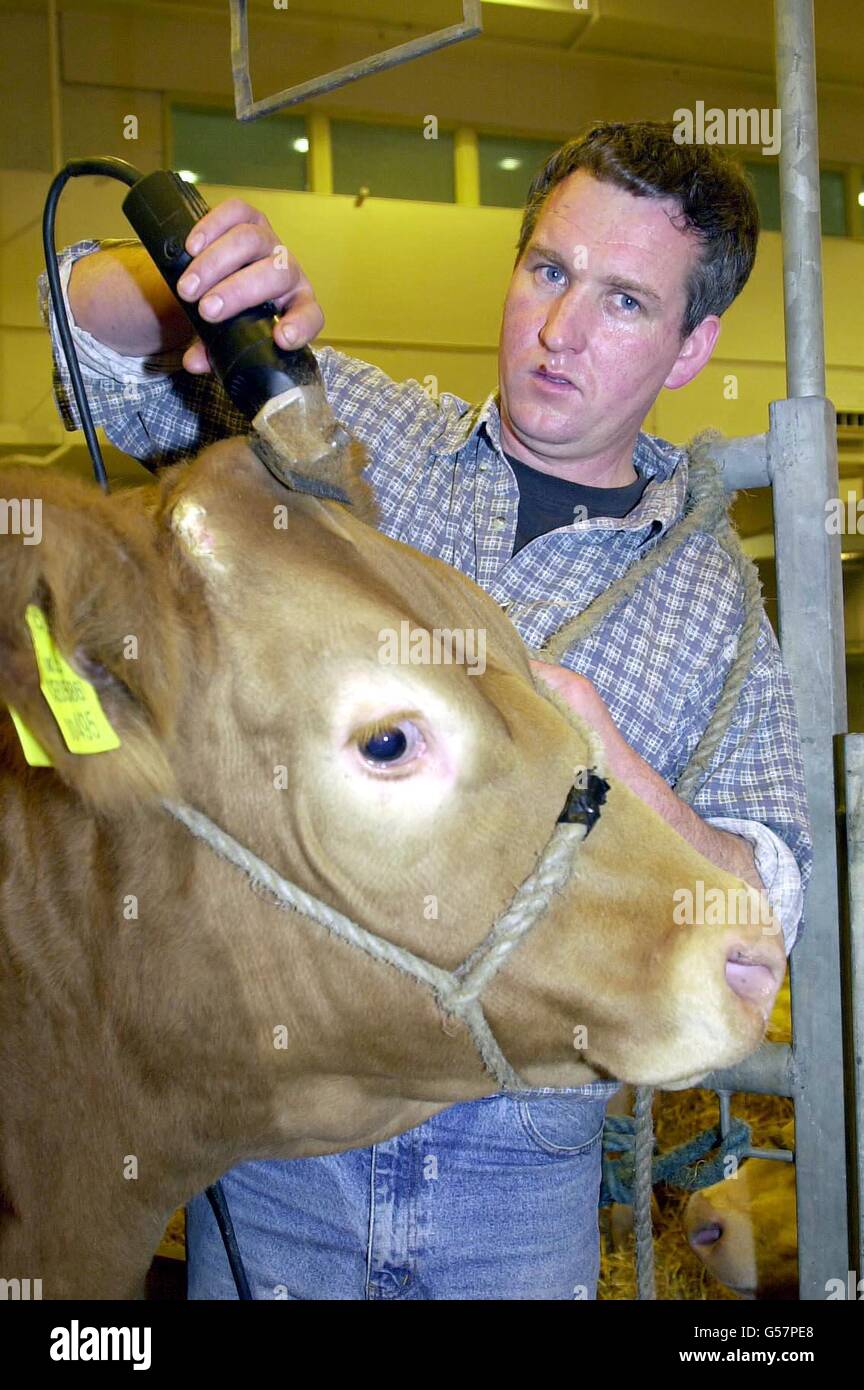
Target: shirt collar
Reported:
point(664, 464)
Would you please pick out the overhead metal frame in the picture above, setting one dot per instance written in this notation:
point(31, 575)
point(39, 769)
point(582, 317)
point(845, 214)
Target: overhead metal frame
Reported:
point(250, 110)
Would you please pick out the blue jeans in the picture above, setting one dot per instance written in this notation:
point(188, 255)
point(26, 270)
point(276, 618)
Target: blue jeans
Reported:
point(491, 1199)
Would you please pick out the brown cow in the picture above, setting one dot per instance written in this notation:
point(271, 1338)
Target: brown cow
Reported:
point(162, 1020)
point(744, 1229)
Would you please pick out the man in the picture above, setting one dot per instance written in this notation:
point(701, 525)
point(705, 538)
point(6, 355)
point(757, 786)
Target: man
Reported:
point(631, 248)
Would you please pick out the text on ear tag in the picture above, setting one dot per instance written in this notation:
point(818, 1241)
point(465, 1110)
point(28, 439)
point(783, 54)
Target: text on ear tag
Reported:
point(72, 700)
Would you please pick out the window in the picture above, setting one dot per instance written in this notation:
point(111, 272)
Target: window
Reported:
point(507, 166)
point(833, 190)
point(392, 161)
point(766, 181)
point(212, 143)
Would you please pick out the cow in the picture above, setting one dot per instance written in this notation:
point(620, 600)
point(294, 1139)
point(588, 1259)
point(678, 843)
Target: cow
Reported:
point(744, 1229)
point(164, 1015)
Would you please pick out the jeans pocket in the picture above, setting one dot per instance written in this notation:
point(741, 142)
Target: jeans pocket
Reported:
point(564, 1125)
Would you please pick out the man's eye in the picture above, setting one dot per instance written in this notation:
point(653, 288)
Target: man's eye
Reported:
point(631, 302)
point(556, 269)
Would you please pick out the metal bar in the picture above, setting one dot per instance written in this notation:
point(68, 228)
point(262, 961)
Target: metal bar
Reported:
point(724, 1098)
point(249, 110)
point(770, 1071)
point(803, 460)
point(800, 201)
point(744, 461)
point(240, 56)
point(803, 454)
point(854, 769)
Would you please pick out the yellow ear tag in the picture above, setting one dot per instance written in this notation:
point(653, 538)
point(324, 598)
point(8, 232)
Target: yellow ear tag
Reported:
point(72, 700)
point(33, 751)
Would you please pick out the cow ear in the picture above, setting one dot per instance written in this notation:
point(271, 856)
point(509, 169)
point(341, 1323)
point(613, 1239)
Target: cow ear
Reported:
point(87, 645)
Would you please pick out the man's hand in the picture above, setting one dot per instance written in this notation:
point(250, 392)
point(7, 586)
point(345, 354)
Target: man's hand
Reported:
point(239, 262)
point(119, 296)
point(585, 700)
point(729, 852)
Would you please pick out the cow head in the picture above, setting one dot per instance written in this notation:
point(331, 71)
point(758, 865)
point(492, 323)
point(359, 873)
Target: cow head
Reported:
point(744, 1228)
point(255, 650)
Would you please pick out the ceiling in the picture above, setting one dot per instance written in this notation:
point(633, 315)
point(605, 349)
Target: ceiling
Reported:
point(736, 35)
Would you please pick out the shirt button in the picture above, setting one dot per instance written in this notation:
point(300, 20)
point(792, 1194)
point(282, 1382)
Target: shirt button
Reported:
point(484, 467)
point(499, 522)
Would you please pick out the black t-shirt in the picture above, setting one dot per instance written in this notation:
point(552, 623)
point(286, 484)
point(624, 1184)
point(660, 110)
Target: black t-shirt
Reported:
point(547, 502)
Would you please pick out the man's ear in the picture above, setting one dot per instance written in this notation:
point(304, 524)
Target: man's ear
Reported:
point(92, 566)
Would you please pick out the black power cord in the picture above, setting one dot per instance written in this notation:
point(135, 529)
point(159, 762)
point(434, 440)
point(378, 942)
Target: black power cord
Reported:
point(110, 168)
point(216, 1198)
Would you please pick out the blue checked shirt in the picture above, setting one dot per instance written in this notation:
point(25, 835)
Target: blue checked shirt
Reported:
point(444, 487)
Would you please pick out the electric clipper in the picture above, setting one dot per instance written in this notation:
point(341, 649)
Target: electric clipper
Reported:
point(279, 391)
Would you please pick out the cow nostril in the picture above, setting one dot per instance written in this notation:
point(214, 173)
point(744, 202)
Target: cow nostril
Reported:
point(755, 970)
point(707, 1234)
point(752, 980)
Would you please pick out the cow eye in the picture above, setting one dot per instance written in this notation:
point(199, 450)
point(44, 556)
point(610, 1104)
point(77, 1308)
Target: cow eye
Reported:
point(391, 745)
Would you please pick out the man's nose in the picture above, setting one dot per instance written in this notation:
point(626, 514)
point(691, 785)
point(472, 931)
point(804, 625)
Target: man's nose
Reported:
point(566, 325)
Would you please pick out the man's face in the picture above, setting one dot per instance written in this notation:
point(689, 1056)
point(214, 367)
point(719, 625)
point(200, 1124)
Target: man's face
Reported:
point(598, 297)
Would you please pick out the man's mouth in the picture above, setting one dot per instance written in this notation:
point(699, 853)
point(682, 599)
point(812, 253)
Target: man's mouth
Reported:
point(553, 380)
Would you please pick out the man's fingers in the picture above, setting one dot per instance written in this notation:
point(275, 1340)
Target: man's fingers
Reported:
point(576, 689)
point(238, 264)
point(218, 220)
point(304, 321)
point(243, 268)
point(301, 322)
point(557, 676)
point(195, 357)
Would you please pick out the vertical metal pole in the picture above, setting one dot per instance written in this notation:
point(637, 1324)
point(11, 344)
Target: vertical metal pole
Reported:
point(802, 455)
point(855, 849)
point(800, 203)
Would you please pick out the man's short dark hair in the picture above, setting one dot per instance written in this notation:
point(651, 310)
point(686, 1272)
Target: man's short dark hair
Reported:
point(716, 200)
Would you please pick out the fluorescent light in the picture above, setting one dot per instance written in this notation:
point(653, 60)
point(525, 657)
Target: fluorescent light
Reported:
point(301, 145)
point(509, 163)
point(188, 175)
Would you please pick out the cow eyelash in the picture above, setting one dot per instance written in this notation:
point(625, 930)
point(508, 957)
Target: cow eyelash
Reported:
point(383, 725)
